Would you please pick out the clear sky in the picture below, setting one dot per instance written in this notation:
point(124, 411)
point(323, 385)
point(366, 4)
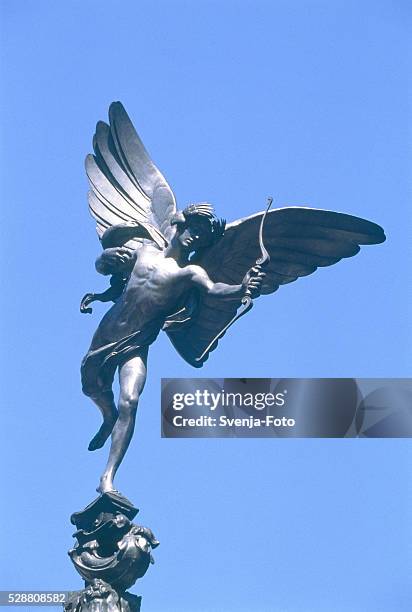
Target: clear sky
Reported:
point(305, 100)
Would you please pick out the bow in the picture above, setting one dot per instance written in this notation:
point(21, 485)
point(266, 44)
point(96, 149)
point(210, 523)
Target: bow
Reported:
point(247, 301)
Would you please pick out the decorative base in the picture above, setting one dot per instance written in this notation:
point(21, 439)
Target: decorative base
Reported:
point(111, 553)
point(100, 597)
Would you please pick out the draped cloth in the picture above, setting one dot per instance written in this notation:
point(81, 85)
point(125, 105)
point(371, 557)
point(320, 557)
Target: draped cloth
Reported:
point(99, 364)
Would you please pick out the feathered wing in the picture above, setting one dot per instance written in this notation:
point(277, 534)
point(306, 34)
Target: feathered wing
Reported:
point(299, 240)
point(126, 186)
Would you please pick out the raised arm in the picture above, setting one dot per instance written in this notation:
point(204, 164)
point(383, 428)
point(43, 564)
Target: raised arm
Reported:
point(200, 279)
point(115, 260)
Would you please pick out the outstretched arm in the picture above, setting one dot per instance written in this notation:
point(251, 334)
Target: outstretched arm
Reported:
point(200, 279)
point(118, 263)
point(117, 284)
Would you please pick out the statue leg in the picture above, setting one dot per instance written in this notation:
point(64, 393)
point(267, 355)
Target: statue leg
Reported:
point(102, 395)
point(105, 402)
point(132, 377)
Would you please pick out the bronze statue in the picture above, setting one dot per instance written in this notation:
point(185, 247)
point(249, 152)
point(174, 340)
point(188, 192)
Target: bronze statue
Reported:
point(182, 272)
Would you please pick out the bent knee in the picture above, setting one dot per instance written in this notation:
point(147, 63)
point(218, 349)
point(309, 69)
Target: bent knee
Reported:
point(94, 389)
point(90, 391)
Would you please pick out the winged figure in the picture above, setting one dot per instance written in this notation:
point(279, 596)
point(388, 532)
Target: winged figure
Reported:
point(184, 272)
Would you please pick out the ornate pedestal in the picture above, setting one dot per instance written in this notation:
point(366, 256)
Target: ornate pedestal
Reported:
point(111, 554)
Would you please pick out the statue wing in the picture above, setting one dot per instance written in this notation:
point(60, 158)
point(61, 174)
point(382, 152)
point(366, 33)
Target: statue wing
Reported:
point(127, 189)
point(299, 240)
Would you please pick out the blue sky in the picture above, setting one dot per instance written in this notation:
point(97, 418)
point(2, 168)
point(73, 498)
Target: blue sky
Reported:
point(303, 100)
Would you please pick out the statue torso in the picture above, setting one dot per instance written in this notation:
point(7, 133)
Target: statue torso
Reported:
point(155, 285)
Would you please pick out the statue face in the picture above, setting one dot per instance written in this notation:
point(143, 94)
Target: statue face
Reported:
point(194, 234)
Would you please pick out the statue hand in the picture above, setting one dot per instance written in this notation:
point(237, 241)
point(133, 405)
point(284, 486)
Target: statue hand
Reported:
point(86, 301)
point(252, 282)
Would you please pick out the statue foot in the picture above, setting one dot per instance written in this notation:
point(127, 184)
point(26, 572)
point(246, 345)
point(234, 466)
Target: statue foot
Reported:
point(100, 438)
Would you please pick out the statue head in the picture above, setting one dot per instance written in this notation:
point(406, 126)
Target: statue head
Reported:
point(197, 227)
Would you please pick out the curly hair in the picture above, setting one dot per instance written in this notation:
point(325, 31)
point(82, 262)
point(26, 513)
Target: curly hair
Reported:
point(205, 211)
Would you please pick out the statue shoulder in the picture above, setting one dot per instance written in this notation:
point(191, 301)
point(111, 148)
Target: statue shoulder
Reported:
point(195, 271)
